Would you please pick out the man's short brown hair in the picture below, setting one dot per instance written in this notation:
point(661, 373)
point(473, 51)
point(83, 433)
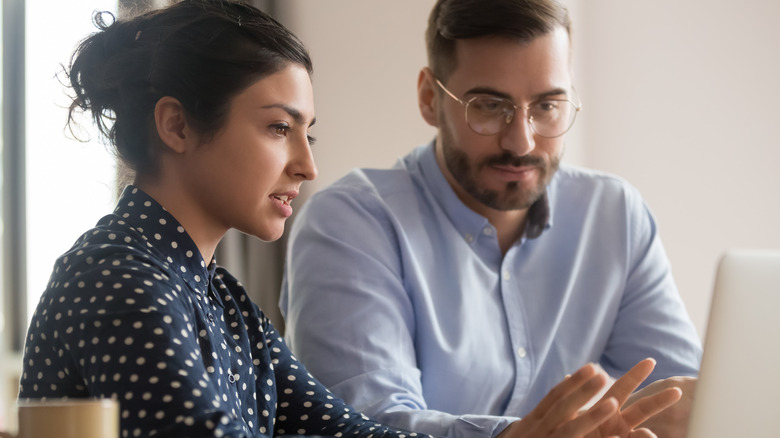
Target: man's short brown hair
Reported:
point(453, 20)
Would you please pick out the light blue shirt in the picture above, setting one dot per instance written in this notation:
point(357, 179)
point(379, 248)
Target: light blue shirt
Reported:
point(397, 297)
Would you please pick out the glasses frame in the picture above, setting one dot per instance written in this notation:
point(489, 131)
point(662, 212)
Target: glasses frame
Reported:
point(528, 116)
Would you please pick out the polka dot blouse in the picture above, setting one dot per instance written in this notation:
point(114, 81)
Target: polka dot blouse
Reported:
point(134, 313)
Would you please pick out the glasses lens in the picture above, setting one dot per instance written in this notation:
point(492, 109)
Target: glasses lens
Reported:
point(552, 118)
point(489, 115)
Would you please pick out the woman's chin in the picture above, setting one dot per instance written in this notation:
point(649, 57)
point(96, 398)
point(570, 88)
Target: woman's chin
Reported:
point(267, 234)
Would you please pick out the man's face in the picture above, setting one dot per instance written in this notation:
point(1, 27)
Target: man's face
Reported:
point(509, 170)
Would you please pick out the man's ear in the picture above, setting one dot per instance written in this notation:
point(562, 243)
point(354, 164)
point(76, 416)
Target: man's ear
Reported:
point(426, 97)
point(171, 122)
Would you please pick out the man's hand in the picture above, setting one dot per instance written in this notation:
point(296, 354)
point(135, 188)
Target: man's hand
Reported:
point(643, 406)
point(672, 422)
point(558, 414)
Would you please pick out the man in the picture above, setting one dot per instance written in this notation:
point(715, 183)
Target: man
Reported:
point(450, 293)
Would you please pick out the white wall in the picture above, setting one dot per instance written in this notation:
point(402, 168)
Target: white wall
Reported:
point(366, 58)
point(681, 98)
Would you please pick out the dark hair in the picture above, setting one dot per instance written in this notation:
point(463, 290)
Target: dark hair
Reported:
point(201, 52)
point(452, 20)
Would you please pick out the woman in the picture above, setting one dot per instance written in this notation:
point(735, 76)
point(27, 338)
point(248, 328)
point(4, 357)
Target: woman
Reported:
point(209, 102)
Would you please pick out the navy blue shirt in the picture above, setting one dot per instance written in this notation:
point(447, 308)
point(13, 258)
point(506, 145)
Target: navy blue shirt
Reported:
point(133, 312)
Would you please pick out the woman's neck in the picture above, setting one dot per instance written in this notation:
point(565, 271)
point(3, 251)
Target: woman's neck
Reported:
point(205, 233)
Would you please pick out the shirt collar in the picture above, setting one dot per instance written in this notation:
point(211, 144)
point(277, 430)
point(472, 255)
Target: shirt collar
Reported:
point(468, 222)
point(165, 237)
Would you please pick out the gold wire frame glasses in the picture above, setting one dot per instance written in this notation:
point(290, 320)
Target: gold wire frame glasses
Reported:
point(489, 115)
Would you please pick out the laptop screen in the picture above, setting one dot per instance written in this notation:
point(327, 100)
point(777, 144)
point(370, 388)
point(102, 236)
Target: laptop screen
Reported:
point(739, 382)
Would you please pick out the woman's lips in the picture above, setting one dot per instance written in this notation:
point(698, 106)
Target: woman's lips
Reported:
point(282, 202)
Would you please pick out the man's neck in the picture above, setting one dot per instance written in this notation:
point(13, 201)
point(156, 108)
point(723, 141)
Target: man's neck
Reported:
point(510, 226)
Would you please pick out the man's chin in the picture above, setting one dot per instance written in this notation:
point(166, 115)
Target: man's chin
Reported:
point(513, 205)
point(511, 198)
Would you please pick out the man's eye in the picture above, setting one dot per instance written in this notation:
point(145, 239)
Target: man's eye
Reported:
point(487, 105)
point(546, 106)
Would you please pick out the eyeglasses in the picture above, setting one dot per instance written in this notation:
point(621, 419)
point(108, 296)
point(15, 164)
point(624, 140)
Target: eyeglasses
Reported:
point(489, 115)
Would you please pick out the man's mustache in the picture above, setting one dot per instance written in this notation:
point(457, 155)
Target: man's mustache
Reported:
point(509, 159)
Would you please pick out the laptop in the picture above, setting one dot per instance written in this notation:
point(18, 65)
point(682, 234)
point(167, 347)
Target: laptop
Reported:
point(739, 381)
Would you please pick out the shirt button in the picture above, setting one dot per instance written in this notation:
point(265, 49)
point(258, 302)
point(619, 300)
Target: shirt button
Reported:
point(211, 318)
point(521, 353)
point(231, 377)
point(506, 274)
point(469, 238)
point(487, 231)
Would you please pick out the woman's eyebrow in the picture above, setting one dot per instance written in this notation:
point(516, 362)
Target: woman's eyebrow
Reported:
point(294, 113)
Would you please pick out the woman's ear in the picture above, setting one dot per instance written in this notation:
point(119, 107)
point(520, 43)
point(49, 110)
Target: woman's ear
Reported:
point(426, 97)
point(171, 122)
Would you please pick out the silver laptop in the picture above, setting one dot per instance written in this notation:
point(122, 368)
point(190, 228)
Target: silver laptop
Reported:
point(738, 392)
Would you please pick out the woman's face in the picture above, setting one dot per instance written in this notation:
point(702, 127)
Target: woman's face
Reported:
point(247, 174)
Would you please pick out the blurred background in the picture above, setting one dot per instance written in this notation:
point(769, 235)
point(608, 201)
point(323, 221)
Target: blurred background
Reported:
point(680, 98)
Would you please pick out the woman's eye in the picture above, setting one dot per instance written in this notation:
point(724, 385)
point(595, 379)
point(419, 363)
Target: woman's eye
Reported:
point(281, 130)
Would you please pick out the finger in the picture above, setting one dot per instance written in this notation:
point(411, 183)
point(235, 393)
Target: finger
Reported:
point(624, 386)
point(642, 433)
point(590, 420)
point(563, 389)
point(567, 408)
point(646, 407)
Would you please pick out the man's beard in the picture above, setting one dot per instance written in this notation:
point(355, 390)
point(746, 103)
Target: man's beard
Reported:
point(513, 197)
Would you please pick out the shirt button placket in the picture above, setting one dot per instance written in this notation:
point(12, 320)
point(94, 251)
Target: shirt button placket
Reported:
point(511, 292)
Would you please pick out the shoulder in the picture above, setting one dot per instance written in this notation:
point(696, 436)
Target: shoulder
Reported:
point(365, 183)
point(572, 182)
point(363, 192)
point(600, 202)
point(107, 252)
point(111, 265)
point(379, 191)
point(568, 175)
